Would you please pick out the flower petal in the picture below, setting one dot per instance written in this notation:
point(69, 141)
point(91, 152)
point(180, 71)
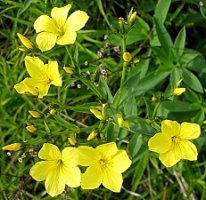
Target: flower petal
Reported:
point(23, 87)
point(46, 40)
point(69, 37)
point(88, 155)
point(41, 169)
point(53, 73)
point(60, 15)
point(76, 20)
point(189, 130)
point(160, 143)
point(112, 180)
point(188, 150)
point(12, 147)
point(72, 176)
point(45, 23)
point(170, 128)
point(171, 157)
point(70, 156)
point(108, 150)
point(55, 183)
point(49, 152)
point(92, 178)
point(35, 67)
point(121, 161)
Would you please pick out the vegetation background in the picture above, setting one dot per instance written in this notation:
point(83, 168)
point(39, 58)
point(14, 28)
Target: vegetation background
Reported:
point(98, 46)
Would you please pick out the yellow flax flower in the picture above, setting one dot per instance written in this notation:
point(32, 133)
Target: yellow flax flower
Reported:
point(173, 144)
point(178, 91)
point(12, 147)
point(25, 41)
point(58, 168)
point(121, 122)
point(127, 56)
point(31, 128)
point(106, 165)
point(42, 76)
point(34, 114)
point(59, 28)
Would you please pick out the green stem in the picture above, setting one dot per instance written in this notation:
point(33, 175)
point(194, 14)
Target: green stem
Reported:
point(123, 70)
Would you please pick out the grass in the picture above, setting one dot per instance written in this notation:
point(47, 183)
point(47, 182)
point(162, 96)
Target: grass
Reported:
point(96, 58)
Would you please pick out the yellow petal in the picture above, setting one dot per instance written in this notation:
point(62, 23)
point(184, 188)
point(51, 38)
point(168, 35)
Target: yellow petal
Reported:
point(72, 141)
point(71, 176)
point(35, 67)
point(188, 150)
point(52, 111)
point(23, 87)
point(189, 130)
point(49, 152)
point(92, 135)
point(160, 143)
point(88, 155)
point(41, 169)
point(121, 161)
point(96, 113)
point(60, 15)
point(34, 114)
point(42, 87)
point(55, 183)
point(45, 23)
point(122, 123)
point(170, 128)
point(171, 157)
point(76, 21)
point(53, 73)
point(68, 70)
point(92, 178)
point(70, 156)
point(178, 91)
point(68, 37)
point(108, 149)
point(112, 180)
point(127, 56)
point(25, 41)
point(31, 128)
point(46, 41)
point(12, 147)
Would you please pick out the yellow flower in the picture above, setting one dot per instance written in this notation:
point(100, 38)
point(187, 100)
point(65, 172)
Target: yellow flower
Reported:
point(98, 111)
point(178, 91)
point(92, 135)
point(34, 114)
point(42, 76)
point(173, 144)
point(106, 165)
point(68, 70)
point(59, 28)
point(12, 147)
point(58, 168)
point(72, 141)
point(127, 56)
point(31, 128)
point(122, 123)
point(52, 111)
point(25, 41)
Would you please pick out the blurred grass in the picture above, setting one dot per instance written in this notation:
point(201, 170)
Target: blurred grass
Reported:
point(146, 179)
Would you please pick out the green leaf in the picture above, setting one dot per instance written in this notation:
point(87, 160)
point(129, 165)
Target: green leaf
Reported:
point(139, 31)
point(192, 81)
point(105, 90)
point(135, 144)
point(161, 10)
point(179, 44)
point(163, 36)
point(175, 76)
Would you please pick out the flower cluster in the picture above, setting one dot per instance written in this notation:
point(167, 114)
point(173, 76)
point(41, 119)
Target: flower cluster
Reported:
point(106, 165)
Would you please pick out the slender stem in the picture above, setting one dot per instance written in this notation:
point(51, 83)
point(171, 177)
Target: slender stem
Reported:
point(123, 70)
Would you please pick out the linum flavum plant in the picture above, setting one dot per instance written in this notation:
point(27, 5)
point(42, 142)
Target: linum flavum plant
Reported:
point(102, 107)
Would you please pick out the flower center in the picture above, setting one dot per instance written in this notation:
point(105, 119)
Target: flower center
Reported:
point(59, 162)
point(175, 139)
point(103, 163)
